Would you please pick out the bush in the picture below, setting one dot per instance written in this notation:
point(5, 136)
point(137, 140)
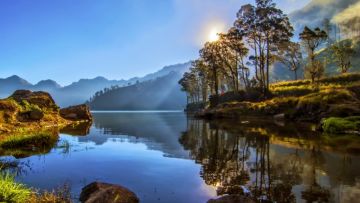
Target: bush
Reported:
point(336, 125)
point(252, 94)
point(192, 107)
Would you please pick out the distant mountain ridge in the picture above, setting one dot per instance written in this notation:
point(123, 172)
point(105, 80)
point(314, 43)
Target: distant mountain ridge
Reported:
point(313, 14)
point(162, 93)
point(80, 91)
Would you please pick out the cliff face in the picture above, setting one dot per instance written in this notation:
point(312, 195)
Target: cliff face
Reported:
point(25, 110)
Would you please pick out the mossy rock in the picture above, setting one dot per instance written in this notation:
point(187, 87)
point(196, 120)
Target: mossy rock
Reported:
point(335, 125)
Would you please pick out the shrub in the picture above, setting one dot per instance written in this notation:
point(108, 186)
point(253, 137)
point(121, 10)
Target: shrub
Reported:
point(341, 125)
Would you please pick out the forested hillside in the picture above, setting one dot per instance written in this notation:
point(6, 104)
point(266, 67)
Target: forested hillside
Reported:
point(280, 72)
point(162, 93)
point(80, 91)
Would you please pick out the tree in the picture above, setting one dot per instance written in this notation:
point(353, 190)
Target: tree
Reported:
point(233, 40)
point(202, 73)
point(265, 28)
point(312, 39)
point(342, 53)
point(210, 55)
point(290, 55)
point(188, 84)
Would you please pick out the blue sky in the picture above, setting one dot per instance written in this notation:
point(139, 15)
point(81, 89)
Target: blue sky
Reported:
point(66, 40)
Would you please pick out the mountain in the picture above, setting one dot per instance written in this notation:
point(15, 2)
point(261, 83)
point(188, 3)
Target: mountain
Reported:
point(80, 91)
point(8, 85)
point(162, 93)
point(316, 11)
point(313, 15)
point(46, 85)
point(280, 72)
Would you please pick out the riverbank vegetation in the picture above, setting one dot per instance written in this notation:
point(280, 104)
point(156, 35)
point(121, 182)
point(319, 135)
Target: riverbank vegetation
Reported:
point(14, 192)
point(30, 122)
point(232, 76)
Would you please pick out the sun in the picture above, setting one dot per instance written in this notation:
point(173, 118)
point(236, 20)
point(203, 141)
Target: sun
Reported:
point(213, 35)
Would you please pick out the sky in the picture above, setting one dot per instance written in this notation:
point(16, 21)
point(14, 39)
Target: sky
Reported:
point(66, 40)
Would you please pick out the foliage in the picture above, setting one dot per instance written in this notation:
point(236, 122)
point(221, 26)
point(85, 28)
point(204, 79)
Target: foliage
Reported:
point(336, 125)
point(11, 191)
point(342, 54)
point(59, 195)
point(222, 64)
point(291, 56)
point(41, 140)
point(312, 40)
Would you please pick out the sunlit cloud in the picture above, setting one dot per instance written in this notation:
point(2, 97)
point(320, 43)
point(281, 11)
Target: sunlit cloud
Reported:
point(348, 14)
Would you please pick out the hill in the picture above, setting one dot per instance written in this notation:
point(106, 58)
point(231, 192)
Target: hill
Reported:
point(162, 93)
point(80, 91)
point(280, 72)
point(301, 100)
point(316, 11)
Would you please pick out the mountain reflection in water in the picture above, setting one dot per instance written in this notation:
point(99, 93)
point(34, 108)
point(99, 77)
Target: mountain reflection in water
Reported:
point(169, 157)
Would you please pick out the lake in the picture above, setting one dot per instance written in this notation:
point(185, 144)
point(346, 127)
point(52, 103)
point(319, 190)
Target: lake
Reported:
point(169, 157)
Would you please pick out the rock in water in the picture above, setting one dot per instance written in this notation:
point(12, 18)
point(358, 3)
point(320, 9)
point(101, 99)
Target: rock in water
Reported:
point(232, 199)
point(79, 112)
point(97, 192)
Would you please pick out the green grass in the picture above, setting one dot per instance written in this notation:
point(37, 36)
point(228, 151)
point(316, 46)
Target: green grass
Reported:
point(42, 140)
point(335, 125)
point(11, 191)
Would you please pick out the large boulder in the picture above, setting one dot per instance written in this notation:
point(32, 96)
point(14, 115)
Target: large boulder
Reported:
point(97, 192)
point(76, 113)
point(40, 99)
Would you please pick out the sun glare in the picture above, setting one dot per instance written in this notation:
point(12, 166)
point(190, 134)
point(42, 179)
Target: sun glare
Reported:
point(213, 35)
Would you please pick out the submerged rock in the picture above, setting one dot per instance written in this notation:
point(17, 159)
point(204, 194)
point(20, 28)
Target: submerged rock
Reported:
point(232, 199)
point(79, 112)
point(97, 192)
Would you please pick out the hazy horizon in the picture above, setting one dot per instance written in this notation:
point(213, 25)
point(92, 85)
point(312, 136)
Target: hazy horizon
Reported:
point(66, 40)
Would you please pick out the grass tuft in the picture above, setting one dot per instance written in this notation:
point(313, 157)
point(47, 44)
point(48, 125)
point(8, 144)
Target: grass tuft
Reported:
point(11, 191)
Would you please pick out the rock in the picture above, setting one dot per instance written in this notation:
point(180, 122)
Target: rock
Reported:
point(232, 199)
point(41, 99)
point(32, 115)
point(280, 116)
point(97, 192)
point(36, 114)
point(79, 112)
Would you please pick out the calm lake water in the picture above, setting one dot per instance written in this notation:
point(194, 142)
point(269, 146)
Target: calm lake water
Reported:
point(169, 157)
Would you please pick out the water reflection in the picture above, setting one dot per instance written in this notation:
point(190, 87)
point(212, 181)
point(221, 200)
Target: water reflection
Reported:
point(282, 164)
point(153, 154)
point(157, 130)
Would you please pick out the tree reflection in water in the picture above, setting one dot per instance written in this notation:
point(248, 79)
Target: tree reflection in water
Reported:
point(235, 155)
